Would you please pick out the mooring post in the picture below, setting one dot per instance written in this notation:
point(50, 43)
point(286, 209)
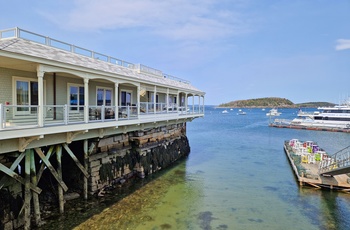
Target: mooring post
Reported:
point(85, 166)
point(35, 182)
point(27, 190)
point(59, 172)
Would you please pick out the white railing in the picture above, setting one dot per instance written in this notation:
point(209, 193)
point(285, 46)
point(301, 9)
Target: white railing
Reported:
point(339, 160)
point(22, 116)
point(34, 37)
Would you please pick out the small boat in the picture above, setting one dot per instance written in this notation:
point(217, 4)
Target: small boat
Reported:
point(240, 112)
point(273, 112)
point(224, 111)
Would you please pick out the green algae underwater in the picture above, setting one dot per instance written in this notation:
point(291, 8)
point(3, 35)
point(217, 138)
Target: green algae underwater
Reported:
point(237, 176)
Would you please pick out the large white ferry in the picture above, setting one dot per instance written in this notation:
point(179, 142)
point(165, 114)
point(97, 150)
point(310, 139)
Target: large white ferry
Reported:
point(326, 117)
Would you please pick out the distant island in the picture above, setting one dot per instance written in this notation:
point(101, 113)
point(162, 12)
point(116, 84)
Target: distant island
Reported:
point(272, 102)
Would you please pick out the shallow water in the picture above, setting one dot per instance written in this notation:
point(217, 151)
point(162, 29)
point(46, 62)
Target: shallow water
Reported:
point(236, 177)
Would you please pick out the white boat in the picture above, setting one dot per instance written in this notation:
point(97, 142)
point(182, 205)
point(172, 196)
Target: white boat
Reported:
point(224, 111)
point(325, 117)
point(240, 112)
point(273, 112)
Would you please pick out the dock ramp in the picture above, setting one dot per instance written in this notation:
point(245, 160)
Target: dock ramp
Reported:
point(336, 164)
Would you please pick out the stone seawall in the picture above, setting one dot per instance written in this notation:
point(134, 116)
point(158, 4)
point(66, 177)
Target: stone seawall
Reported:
point(140, 153)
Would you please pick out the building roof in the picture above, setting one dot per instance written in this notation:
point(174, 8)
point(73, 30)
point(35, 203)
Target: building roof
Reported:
point(37, 50)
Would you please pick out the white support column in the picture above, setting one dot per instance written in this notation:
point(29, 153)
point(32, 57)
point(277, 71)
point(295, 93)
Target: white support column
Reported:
point(186, 103)
point(199, 104)
point(155, 99)
point(193, 104)
point(177, 101)
point(40, 75)
point(116, 99)
point(86, 100)
point(203, 105)
point(1, 116)
point(138, 101)
point(167, 100)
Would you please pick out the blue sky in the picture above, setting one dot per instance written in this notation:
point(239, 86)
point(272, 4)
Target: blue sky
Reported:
point(231, 49)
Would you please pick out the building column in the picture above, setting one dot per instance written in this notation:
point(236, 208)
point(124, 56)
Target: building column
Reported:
point(40, 75)
point(167, 100)
point(193, 104)
point(177, 101)
point(199, 103)
point(155, 99)
point(203, 105)
point(86, 100)
point(116, 99)
point(186, 103)
point(138, 101)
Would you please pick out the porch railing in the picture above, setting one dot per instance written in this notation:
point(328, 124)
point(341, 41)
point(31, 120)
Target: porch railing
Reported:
point(23, 116)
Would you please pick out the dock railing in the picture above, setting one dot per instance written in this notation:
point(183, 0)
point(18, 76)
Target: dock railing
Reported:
point(338, 163)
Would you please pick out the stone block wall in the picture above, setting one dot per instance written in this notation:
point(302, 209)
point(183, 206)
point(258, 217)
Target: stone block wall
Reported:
point(140, 153)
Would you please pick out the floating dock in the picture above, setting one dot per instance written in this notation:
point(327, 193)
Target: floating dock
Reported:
point(277, 125)
point(305, 158)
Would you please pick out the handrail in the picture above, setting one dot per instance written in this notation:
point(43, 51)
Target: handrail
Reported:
point(44, 40)
point(59, 115)
point(337, 161)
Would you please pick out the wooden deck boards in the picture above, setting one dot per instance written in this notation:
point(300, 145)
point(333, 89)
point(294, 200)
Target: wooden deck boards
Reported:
point(311, 176)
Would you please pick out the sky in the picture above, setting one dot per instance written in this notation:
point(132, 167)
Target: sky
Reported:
point(230, 49)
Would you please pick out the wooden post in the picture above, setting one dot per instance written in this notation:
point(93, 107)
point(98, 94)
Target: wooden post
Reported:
point(35, 182)
point(85, 166)
point(59, 172)
point(27, 191)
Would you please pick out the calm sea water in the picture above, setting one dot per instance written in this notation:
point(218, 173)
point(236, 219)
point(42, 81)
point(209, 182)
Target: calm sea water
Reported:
point(236, 177)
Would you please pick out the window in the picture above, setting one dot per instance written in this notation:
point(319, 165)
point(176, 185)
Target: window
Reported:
point(27, 94)
point(125, 98)
point(104, 96)
point(171, 100)
point(76, 97)
point(152, 97)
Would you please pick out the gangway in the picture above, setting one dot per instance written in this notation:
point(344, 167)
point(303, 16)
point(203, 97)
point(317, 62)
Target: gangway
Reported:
point(338, 163)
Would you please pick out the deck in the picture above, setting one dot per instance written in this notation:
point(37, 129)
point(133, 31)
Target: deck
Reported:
point(307, 173)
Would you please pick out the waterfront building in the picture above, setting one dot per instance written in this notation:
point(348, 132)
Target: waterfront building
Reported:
point(54, 94)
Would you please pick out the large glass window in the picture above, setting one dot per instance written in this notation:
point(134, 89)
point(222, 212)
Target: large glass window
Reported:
point(125, 98)
point(27, 95)
point(76, 97)
point(104, 96)
point(152, 98)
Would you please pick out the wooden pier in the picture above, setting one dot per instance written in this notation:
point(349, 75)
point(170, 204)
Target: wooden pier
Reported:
point(307, 171)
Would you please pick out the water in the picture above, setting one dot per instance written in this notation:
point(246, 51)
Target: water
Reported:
point(236, 177)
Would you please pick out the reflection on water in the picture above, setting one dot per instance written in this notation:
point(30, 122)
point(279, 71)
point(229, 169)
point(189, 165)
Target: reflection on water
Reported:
point(236, 177)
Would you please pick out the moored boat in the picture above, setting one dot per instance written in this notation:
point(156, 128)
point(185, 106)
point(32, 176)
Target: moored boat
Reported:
point(273, 112)
point(325, 117)
point(240, 112)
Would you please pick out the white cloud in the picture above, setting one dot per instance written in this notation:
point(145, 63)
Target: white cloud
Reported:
point(342, 44)
point(175, 19)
